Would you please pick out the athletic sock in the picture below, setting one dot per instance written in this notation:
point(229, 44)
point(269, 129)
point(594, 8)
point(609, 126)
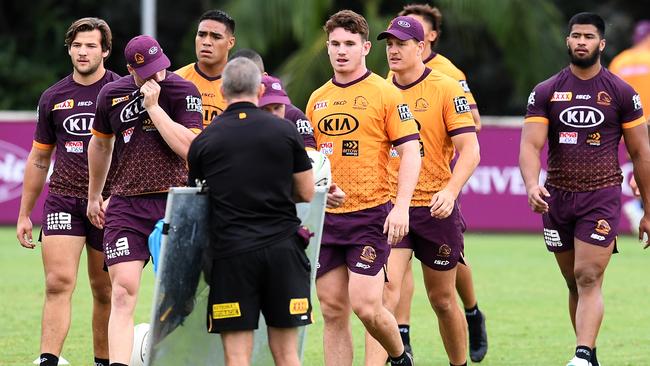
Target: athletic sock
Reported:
point(594, 360)
point(48, 359)
point(118, 364)
point(473, 311)
point(584, 352)
point(404, 332)
point(101, 361)
point(464, 364)
point(400, 360)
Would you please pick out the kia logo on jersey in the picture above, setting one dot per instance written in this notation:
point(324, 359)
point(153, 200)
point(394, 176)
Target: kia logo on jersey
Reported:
point(582, 117)
point(79, 124)
point(337, 124)
point(131, 111)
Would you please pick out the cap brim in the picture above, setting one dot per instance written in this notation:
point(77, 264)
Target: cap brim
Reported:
point(395, 33)
point(273, 99)
point(147, 71)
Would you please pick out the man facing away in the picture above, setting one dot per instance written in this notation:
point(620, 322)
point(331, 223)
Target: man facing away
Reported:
point(356, 117)
point(256, 169)
point(582, 111)
point(65, 112)
point(150, 118)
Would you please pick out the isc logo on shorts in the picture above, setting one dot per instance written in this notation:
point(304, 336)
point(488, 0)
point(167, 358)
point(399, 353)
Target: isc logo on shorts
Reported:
point(440, 262)
point(59, 221)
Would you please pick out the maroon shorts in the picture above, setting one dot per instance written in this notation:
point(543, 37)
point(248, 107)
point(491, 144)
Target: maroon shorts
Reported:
point(129, 221)
point(591, 217)
point(64, 215)
point(437, 243)
point(355, 239)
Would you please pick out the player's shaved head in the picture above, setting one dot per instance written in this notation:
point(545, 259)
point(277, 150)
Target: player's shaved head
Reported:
point(251, 55)
point(588, 18)
point(241, 78)
point(87, 25)
point(350, 21)
point(221, 17)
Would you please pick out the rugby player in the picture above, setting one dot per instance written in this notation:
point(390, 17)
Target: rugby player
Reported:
point(275, 100)
point(150, 117)
point(65, 112)
point(356, 116)
point(431, 20)
point(215, 37)
point(445, 123)
point(582, 111)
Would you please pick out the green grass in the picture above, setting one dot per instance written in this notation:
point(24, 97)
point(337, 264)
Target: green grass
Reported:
point(517, 282)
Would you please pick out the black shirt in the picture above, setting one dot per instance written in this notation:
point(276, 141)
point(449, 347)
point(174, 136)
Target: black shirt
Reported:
point(248, 157)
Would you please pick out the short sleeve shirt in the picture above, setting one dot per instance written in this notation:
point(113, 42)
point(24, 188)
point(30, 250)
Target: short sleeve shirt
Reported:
point(65, 115)
point(145, 163)
point(585, 121)
point(355, 125)
point(295, 115)
point(209, 87)
point(633, 66)
point(441, 111)
point(440, 63)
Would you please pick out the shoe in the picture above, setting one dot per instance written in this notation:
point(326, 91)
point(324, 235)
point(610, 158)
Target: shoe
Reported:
point(577, 361)
point(408, 350)
point(408, 361)
point(478, 344)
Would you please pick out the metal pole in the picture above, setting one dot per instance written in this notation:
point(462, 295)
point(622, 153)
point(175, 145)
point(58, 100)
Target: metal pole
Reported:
point(148, 17)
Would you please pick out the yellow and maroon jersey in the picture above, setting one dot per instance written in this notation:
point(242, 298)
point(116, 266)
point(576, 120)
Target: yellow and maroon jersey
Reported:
point(441, 110)
point(355, 125)
point(213, 102)
point(633, 66)
point(440, 63)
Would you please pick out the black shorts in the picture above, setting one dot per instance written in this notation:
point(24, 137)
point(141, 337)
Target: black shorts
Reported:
point(273, 279)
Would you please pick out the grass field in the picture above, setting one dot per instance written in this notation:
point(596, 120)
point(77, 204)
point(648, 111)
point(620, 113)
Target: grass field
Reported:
point(518, 286)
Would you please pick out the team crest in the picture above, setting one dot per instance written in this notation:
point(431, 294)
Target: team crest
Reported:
point(139, 59)
point(368, 254)
point(444, 251)
point(603, 98)
point(421, 105)
point(360, 102)
point(602, 227)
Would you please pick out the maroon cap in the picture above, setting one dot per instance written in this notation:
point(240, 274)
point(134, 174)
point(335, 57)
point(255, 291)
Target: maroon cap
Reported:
point(404, 28)
point(641, 30)
point(145, 56)
point(273, 92)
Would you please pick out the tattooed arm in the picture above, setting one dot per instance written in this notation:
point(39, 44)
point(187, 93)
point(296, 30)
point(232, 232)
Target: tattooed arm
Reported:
point(38, 164)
